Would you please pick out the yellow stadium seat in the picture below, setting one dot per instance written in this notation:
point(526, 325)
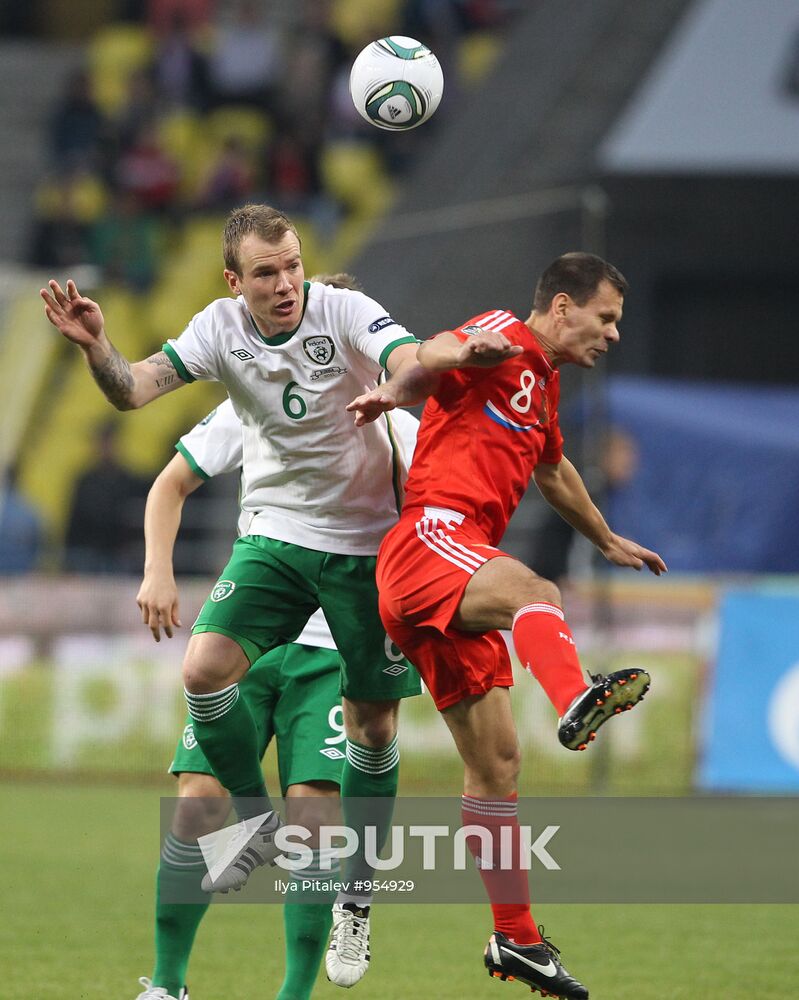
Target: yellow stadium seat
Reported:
point(353, 172)
point(356, 23)
point(62, 445)
point(252, 128)
point(115, 52)
point(183, 136)
point(477, 54)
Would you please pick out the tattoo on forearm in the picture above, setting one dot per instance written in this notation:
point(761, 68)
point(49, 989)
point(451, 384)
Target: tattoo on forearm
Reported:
point(161, 360)
point(115, 379)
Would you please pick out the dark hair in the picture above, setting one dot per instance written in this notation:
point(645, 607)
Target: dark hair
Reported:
point(266, 222)
point(579, 275)
point(339, 280)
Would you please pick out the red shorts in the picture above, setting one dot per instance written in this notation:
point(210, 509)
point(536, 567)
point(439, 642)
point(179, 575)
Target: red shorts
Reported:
point(423, 567)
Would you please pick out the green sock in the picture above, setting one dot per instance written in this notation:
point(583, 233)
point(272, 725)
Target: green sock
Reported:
point(180, 905)
point(372, 774)
point(227, 736)
point(307, 928)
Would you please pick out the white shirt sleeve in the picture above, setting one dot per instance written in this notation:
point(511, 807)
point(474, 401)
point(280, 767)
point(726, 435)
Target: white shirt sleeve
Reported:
point(369, 327)
point(214, 445)
point(195, 353)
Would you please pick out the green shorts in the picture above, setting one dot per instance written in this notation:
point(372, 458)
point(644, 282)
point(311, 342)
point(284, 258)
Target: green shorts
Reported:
point(269, 589)
point(292, 695)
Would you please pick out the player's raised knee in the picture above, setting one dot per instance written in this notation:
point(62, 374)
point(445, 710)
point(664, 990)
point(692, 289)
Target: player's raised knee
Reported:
point(212, 662)
point(530, 588)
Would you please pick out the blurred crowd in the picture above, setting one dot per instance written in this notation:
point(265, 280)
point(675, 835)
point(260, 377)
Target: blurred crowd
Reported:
point(192, 106)
point(183, 109)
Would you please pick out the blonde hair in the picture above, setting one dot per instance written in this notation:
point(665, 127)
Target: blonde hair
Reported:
point(264, 221)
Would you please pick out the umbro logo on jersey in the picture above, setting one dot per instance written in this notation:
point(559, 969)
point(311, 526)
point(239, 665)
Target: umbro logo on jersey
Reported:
point(320, 350)
point(242, 355)
point(332, 754)
point(395, 669)
point(381, 324)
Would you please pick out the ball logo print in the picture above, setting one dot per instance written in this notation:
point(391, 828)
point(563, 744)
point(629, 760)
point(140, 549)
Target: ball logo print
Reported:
point(396, 83)
point(222, 590)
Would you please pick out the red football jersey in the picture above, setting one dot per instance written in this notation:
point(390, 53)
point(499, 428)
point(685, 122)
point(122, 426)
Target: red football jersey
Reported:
point(485, 429)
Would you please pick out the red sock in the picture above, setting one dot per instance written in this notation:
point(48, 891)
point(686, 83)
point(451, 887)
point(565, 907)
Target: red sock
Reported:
point(507, 888)
point(545, 646)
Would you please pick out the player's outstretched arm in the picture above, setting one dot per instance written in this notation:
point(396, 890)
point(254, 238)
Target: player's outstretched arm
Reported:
point(483, 350)
point(562, 487)
point(126, 386)
point(408, 383)
point(158, 594)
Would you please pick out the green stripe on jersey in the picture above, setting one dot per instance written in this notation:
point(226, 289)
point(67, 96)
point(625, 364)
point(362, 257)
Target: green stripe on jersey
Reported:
point(181, 369)
point(396, 343)
point(195, 468)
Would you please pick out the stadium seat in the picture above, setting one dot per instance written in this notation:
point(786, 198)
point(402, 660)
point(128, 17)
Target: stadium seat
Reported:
point(252, 128)
point(183, 136)
point(477, 54)
point(115, 52)
point(356, 23)
point(61, 446)
point(353, 172)
point(24, 371)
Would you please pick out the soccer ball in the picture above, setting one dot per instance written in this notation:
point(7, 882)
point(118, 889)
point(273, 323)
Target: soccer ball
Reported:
point(396, 83)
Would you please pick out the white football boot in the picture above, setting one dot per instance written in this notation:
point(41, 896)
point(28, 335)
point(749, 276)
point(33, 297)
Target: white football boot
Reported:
point(347, 956)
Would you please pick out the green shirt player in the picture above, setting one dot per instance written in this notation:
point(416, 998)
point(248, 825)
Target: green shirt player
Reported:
point(317, 497)
point(293, 695)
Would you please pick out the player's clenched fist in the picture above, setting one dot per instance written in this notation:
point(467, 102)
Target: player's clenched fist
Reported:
point(78, 318)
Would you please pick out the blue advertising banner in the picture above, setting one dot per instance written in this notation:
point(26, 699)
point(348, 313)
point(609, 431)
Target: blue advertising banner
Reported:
point(751, 734)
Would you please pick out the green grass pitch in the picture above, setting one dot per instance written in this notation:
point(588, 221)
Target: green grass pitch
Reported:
point(77, 867)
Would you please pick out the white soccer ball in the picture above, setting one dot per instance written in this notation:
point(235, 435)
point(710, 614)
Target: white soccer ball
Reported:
point(396, 83)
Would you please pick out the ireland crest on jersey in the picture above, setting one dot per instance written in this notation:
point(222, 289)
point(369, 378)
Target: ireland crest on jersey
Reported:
point(320, 350)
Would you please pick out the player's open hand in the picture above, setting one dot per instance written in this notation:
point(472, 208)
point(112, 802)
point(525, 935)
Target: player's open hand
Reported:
point(485, 350)
point(371, 405)
point(158, 601)
point(78, 318)
point(625, 552)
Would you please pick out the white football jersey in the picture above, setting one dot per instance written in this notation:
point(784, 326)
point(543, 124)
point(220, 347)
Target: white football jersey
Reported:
point(214, 446)
point(309, 476)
